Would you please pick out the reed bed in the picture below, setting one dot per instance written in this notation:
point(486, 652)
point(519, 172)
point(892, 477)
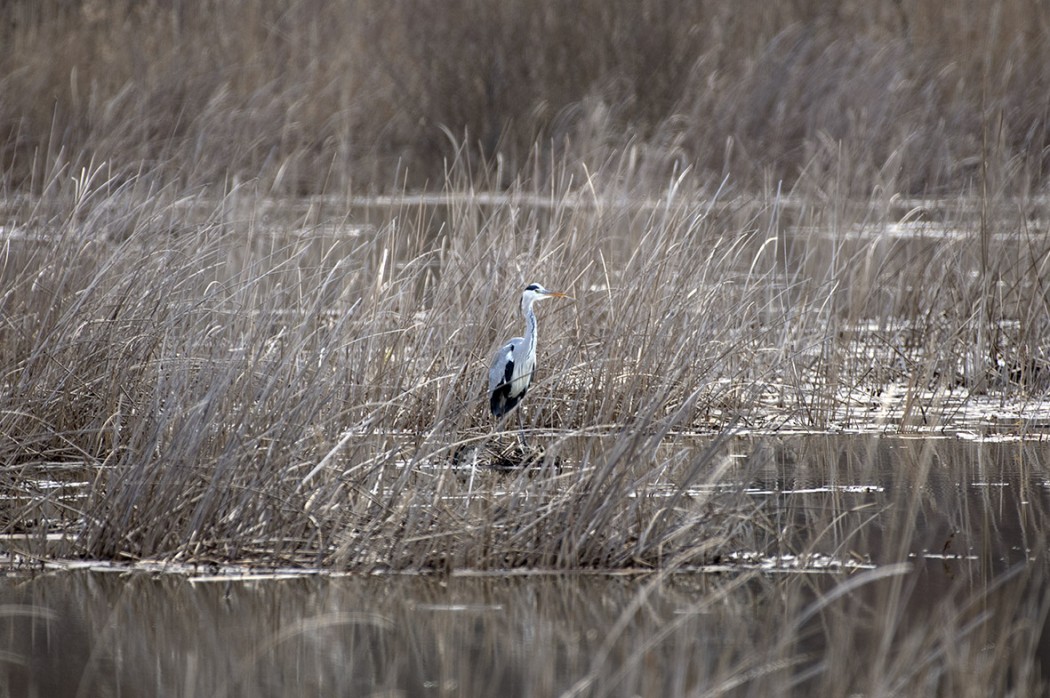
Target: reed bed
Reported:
point(257, 255)
point(233, 380)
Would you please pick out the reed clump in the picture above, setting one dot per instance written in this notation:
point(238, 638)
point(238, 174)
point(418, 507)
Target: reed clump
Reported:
point(234, 388)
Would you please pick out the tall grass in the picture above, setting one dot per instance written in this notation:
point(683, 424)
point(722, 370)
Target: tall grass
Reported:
point(316, 97)
point(242, 380)
point(243, 374)
point(309, 384)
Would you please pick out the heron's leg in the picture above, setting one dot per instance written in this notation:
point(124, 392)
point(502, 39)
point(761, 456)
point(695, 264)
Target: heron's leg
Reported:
point(521, 430)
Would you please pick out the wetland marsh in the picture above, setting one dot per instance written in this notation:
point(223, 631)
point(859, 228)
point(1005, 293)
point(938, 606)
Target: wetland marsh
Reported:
point(791, 437)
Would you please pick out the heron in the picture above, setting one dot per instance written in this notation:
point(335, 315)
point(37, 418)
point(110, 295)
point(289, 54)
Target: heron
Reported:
point(514, 363)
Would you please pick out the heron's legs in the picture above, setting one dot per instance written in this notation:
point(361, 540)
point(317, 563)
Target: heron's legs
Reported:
point(521, 430)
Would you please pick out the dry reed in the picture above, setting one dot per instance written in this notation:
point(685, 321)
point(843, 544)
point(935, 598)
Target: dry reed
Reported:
point(239, 381)
point(219, 344)
point(312, 97)
point(244, 375)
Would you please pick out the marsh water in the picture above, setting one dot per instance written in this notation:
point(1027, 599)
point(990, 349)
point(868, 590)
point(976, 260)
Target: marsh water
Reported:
point(886, 557)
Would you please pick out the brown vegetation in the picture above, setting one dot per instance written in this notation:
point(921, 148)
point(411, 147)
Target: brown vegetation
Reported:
point(256, 255)
point(246, 376)
point(308, 97)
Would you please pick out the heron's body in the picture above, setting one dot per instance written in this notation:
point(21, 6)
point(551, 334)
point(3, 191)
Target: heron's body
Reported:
point(511, 372)
point(511, 375)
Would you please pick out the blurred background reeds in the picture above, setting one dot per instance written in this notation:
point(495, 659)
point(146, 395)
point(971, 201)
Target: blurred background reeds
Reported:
point(907, 97)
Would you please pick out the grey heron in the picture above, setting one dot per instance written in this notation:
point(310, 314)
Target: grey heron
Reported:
point(514, 363)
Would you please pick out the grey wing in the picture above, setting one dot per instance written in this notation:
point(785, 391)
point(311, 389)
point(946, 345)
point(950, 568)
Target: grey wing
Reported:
point(503, 364)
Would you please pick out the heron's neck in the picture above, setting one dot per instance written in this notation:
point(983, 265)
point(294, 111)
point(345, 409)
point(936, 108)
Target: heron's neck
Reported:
point(530, 328)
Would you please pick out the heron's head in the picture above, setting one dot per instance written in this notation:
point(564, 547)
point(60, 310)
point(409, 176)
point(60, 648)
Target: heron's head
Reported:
point(536, 292)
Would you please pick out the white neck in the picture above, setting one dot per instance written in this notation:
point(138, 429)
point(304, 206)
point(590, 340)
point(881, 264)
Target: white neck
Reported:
point(530, 325)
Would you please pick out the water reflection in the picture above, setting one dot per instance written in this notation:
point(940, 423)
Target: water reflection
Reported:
point(952, 600)
point(109, 635)
point(888, 498)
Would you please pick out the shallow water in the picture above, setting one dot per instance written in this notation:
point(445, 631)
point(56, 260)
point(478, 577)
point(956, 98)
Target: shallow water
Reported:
point(891, 565)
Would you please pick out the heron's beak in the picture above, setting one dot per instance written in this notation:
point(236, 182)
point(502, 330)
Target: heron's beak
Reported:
point(554, 294)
